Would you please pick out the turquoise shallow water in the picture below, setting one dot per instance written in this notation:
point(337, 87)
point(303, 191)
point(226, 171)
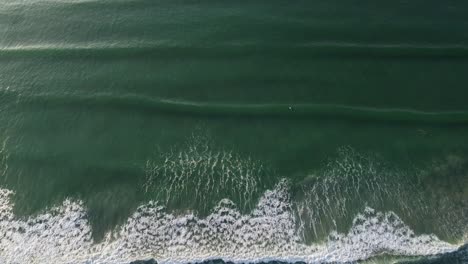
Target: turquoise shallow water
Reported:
point(186, 131)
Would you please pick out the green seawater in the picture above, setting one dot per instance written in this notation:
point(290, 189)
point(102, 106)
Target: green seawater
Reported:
point(352, 108)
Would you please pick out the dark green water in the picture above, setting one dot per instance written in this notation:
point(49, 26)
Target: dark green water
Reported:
point(334, 131)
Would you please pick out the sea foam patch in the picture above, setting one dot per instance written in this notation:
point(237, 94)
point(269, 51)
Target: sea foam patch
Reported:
point(269, 232)
point(199, 171)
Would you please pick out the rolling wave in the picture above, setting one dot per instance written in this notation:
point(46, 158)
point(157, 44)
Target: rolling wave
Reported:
point(168, 48)
point(303, 110)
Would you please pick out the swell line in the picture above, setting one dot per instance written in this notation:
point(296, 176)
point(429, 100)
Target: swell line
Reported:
point(132, 102)
point(171, 48)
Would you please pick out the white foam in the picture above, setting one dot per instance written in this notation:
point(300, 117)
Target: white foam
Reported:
point(203, 173)
point(346, 185)
point(63, 235)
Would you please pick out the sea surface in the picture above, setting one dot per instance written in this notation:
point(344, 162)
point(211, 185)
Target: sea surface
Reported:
point(216, 131)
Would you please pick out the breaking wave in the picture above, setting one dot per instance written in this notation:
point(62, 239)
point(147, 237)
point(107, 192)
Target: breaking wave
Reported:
point(62, 234)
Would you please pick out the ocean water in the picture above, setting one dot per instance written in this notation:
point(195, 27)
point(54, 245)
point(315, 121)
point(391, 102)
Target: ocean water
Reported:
point(183, 131)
